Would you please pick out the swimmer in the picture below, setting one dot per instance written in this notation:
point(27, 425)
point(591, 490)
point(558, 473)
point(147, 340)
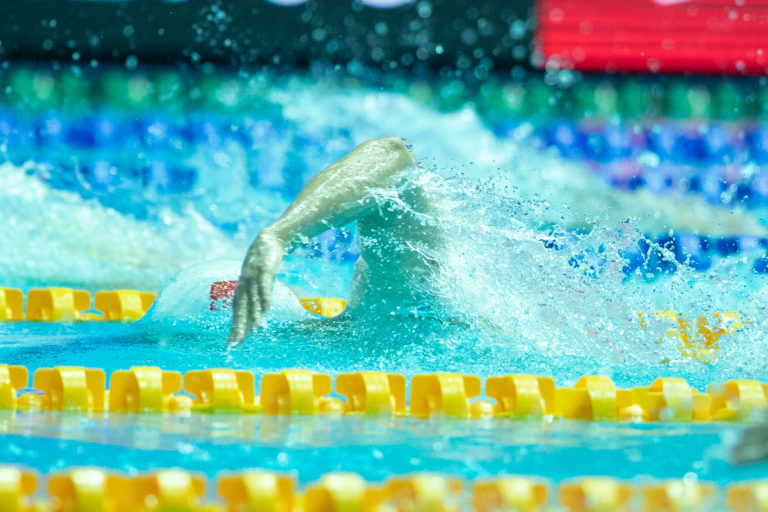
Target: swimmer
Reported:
point(395, 240)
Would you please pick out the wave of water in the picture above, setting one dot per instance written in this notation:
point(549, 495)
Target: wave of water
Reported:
point(55, 237)
point(505, 276)
point(510, 295)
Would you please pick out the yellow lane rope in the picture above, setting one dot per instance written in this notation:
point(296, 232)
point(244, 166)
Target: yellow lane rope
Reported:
point(148, 389)
point(91, 489)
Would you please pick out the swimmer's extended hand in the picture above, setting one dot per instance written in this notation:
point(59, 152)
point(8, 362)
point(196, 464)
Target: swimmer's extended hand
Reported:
point(254, 288)
point(338, 195)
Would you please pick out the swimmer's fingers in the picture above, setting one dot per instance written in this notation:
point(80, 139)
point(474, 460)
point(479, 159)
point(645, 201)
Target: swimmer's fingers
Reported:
point(255, 311)
point(254, 290)
point(266, 282)
point(242, 323)
point(271, 251)
point(238, 331)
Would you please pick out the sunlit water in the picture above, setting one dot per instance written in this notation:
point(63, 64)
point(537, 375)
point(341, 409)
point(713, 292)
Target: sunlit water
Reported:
point(532, 280)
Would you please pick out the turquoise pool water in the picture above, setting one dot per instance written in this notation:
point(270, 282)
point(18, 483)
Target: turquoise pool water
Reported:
point(376, 448)
point(537, 280)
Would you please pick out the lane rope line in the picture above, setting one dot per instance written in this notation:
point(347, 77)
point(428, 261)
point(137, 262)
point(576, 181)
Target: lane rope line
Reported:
point(150, 389)
point(88, 489)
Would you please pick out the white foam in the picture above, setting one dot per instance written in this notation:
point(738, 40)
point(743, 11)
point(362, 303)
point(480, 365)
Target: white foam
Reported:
point(185, 304)
point(51, 236)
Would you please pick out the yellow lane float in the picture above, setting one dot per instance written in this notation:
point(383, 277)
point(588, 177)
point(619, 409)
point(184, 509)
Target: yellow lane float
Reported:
point(96, 489)
point(148, 389)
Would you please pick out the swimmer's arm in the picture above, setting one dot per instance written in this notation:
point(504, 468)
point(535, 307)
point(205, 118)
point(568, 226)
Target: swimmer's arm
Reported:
point(336, 196)
point(340, 193)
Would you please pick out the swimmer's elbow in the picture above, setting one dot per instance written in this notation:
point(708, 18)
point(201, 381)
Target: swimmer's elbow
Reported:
point(395, 148)
point(392, 143)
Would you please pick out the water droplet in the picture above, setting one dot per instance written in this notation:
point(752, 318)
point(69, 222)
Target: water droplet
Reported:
point(131, 62)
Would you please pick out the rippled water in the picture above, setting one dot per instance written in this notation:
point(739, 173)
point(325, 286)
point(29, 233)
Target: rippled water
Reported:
point(377, 448)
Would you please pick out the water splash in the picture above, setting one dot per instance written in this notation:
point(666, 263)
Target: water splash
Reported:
point(566, 294)
point(55, 237)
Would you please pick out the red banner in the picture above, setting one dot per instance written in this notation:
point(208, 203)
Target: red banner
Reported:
point(703, 36)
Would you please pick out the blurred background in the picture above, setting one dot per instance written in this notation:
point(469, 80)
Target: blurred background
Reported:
point(457, 38)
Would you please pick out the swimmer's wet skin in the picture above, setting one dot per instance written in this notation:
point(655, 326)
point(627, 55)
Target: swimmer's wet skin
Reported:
point(344, 192)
